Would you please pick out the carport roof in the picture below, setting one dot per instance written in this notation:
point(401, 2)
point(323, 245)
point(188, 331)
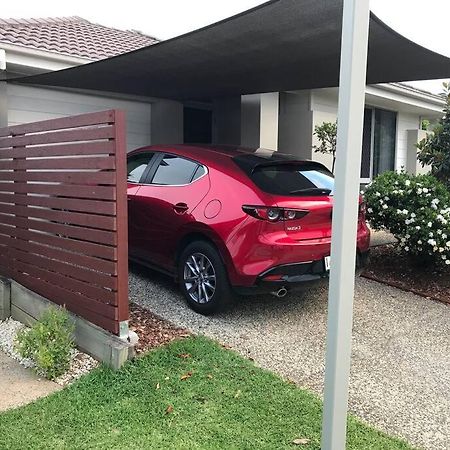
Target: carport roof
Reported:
point(280, 45)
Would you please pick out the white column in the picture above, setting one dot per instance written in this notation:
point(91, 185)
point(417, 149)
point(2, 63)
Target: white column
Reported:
point(345, 212)
point(269, 120)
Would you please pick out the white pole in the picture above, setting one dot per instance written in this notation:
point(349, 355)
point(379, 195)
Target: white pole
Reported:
point(352, 82)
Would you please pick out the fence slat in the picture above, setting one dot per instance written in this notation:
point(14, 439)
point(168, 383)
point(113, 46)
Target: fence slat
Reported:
point(67, 204)
point(80, 120)
point(74, 191)
point(94, 178)
point(94, 162)
point(64, 217)
point(67, 149)
point(78, 135)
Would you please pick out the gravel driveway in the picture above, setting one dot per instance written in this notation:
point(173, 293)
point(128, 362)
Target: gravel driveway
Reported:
point(400, 377)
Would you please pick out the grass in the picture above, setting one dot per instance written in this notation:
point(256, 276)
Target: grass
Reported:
point(225, 402)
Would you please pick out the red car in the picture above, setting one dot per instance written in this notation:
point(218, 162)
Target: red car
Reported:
point(221, 219)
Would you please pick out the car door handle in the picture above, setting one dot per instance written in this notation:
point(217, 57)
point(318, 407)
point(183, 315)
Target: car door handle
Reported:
point(180, 208)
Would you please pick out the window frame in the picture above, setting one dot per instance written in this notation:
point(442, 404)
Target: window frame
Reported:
point(150, 164)
point(150, 173)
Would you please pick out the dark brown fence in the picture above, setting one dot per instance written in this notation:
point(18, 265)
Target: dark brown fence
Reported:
point(63, 213)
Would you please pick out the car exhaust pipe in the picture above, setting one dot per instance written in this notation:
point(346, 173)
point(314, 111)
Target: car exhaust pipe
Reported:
point(282, 292)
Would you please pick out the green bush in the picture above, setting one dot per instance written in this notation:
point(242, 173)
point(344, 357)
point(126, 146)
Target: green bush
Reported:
point(416, 209)
point(48, 343)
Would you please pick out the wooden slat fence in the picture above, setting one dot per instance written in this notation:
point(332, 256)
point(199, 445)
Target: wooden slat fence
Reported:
point(63, 213)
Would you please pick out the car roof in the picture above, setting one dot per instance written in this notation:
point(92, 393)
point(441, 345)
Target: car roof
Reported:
point(207, 153)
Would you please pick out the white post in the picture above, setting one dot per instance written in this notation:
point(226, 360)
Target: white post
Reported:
point(355, 27)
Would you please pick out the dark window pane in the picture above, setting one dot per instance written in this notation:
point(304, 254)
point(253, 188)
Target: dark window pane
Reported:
point(136, 166)
point(384, 141)
point(366, 144)
point(199, 173)
point(291, 179)
point(174, 170)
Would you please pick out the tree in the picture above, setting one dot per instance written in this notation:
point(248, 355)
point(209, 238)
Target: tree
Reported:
point(434, 150)
point(327, 136)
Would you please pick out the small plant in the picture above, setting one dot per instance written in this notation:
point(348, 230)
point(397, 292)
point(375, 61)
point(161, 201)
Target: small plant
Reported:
point(327, 136)
point(416, 209)
point(434, 150)
point(48, 343)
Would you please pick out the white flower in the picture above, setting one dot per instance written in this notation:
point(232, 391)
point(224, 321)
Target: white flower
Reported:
point(447, 262)
point(407, 183)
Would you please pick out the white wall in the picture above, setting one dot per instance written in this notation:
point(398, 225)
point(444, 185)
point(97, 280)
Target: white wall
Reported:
point(270, 102)
point(296, 124)
point(30, 104)
point(405, 122)
point(325, 109)
point(167, 122)
point(250, 120)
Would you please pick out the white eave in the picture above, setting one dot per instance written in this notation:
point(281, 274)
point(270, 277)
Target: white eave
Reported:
point(407, 95)
point(39, 59)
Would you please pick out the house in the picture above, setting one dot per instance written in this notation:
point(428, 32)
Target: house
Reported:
point(40, 45)
point(282, 121)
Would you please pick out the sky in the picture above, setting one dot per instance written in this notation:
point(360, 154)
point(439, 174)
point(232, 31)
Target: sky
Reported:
point(424, 22)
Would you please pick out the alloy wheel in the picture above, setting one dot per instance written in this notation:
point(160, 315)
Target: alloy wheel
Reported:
point(199, 278)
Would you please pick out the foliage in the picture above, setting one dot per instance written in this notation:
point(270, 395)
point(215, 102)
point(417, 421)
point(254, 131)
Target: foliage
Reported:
point(434, 150)
point(48, 342)
point(327, 137)
point(226, 402)
point(416, 209)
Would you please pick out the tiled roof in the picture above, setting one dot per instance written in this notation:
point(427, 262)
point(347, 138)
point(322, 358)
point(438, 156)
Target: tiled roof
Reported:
point(71, 36)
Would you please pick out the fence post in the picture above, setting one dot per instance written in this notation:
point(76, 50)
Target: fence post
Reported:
point(122, 222)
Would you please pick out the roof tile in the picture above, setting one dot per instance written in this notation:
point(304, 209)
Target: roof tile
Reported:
point(71, 36)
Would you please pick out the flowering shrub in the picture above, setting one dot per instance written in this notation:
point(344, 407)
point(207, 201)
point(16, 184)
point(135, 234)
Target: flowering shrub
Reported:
point(416, 209)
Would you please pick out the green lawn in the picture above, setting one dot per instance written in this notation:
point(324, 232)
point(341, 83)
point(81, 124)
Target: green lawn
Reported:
point(226, 403)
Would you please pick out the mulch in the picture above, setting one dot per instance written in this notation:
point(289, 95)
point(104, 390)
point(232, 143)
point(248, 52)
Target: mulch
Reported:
point(152, 330)
point(387, 265)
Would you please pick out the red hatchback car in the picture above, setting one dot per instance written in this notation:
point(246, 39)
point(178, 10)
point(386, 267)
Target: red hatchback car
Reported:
point(221, 219)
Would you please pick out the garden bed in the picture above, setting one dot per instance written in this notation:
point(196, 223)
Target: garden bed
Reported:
point(152, 331)
point(387, 265)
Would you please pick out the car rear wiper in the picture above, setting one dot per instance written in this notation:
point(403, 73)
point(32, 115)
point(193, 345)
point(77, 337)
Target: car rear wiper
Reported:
point(312, 191)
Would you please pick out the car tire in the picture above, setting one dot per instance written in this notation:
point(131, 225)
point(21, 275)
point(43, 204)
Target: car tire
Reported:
point(203, 278)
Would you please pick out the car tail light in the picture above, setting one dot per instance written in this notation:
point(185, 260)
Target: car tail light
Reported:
point(274, 214)
point(362, 212)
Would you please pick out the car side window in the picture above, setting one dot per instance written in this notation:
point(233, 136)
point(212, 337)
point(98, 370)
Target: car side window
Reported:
point(136, 166)
point(174, 170)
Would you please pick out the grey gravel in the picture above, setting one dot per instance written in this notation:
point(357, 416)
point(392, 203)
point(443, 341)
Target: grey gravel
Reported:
point(400, 375)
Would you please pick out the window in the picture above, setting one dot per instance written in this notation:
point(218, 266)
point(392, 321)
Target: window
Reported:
point(199, 173)
point(292, 179)
point(173, 170)
point(385, 125)
point(136, 166)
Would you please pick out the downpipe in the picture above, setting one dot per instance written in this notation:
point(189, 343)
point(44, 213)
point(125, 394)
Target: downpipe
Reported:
point(280, 293)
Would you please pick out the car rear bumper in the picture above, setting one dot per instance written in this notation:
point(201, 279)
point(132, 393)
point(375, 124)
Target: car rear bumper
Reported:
point(294, 275)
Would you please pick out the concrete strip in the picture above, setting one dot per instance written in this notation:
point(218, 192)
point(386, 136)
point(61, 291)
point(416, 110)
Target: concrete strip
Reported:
point(27, 306)
point(19, 386)
point(400, 373)
point(5, 298)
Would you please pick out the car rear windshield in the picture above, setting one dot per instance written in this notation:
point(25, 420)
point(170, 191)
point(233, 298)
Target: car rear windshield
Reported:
point(291, 178)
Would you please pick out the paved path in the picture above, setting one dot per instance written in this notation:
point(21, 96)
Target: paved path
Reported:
point(19, 385)
point(400, 377)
